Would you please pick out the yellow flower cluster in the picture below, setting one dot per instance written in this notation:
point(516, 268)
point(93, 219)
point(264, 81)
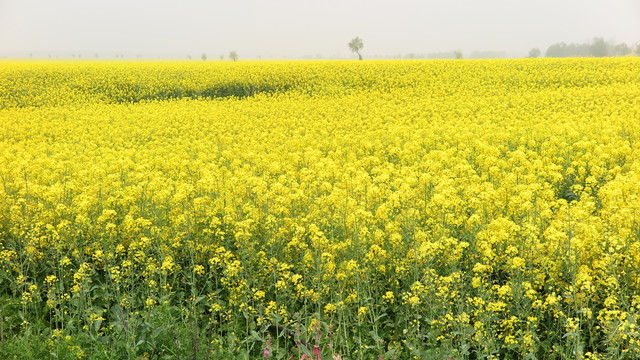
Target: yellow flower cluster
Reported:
point(494, 204)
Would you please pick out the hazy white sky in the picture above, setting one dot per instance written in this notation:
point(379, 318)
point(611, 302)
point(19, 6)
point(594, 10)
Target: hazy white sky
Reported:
point(296, 28)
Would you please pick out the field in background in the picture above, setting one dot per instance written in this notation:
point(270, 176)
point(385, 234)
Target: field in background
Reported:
point(336, 209)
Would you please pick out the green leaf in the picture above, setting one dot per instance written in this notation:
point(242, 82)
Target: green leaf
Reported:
point(97, 325)
point(380, 317)
point(389, 353)
point(197, 300)
point(256, 336)
point(375, 336)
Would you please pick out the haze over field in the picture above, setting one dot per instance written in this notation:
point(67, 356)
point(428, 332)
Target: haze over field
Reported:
point(295, 29)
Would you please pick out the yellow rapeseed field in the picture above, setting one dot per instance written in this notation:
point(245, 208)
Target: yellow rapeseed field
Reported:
point(485, 209)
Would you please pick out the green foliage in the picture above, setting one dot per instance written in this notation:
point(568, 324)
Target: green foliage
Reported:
point(356, 45)
point(534, 53)
point(597, 48)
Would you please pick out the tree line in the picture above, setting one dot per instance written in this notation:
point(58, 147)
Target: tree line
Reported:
point(598, 47)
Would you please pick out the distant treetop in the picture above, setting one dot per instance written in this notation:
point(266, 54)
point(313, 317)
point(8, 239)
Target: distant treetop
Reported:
point(355, 45)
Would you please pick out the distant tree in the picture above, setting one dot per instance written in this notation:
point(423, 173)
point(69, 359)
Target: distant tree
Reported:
point(96, 55)
point(622, 49)
point(221, 57)
point(203, 57)
point(189, 57)
point(598, 47)
point(457, 54)
point(233, 56)
point(534, 53)
point(561, 50)
point(355, 46)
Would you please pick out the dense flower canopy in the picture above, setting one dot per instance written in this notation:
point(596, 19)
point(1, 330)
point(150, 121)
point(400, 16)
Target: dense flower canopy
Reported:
point(408, 208)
